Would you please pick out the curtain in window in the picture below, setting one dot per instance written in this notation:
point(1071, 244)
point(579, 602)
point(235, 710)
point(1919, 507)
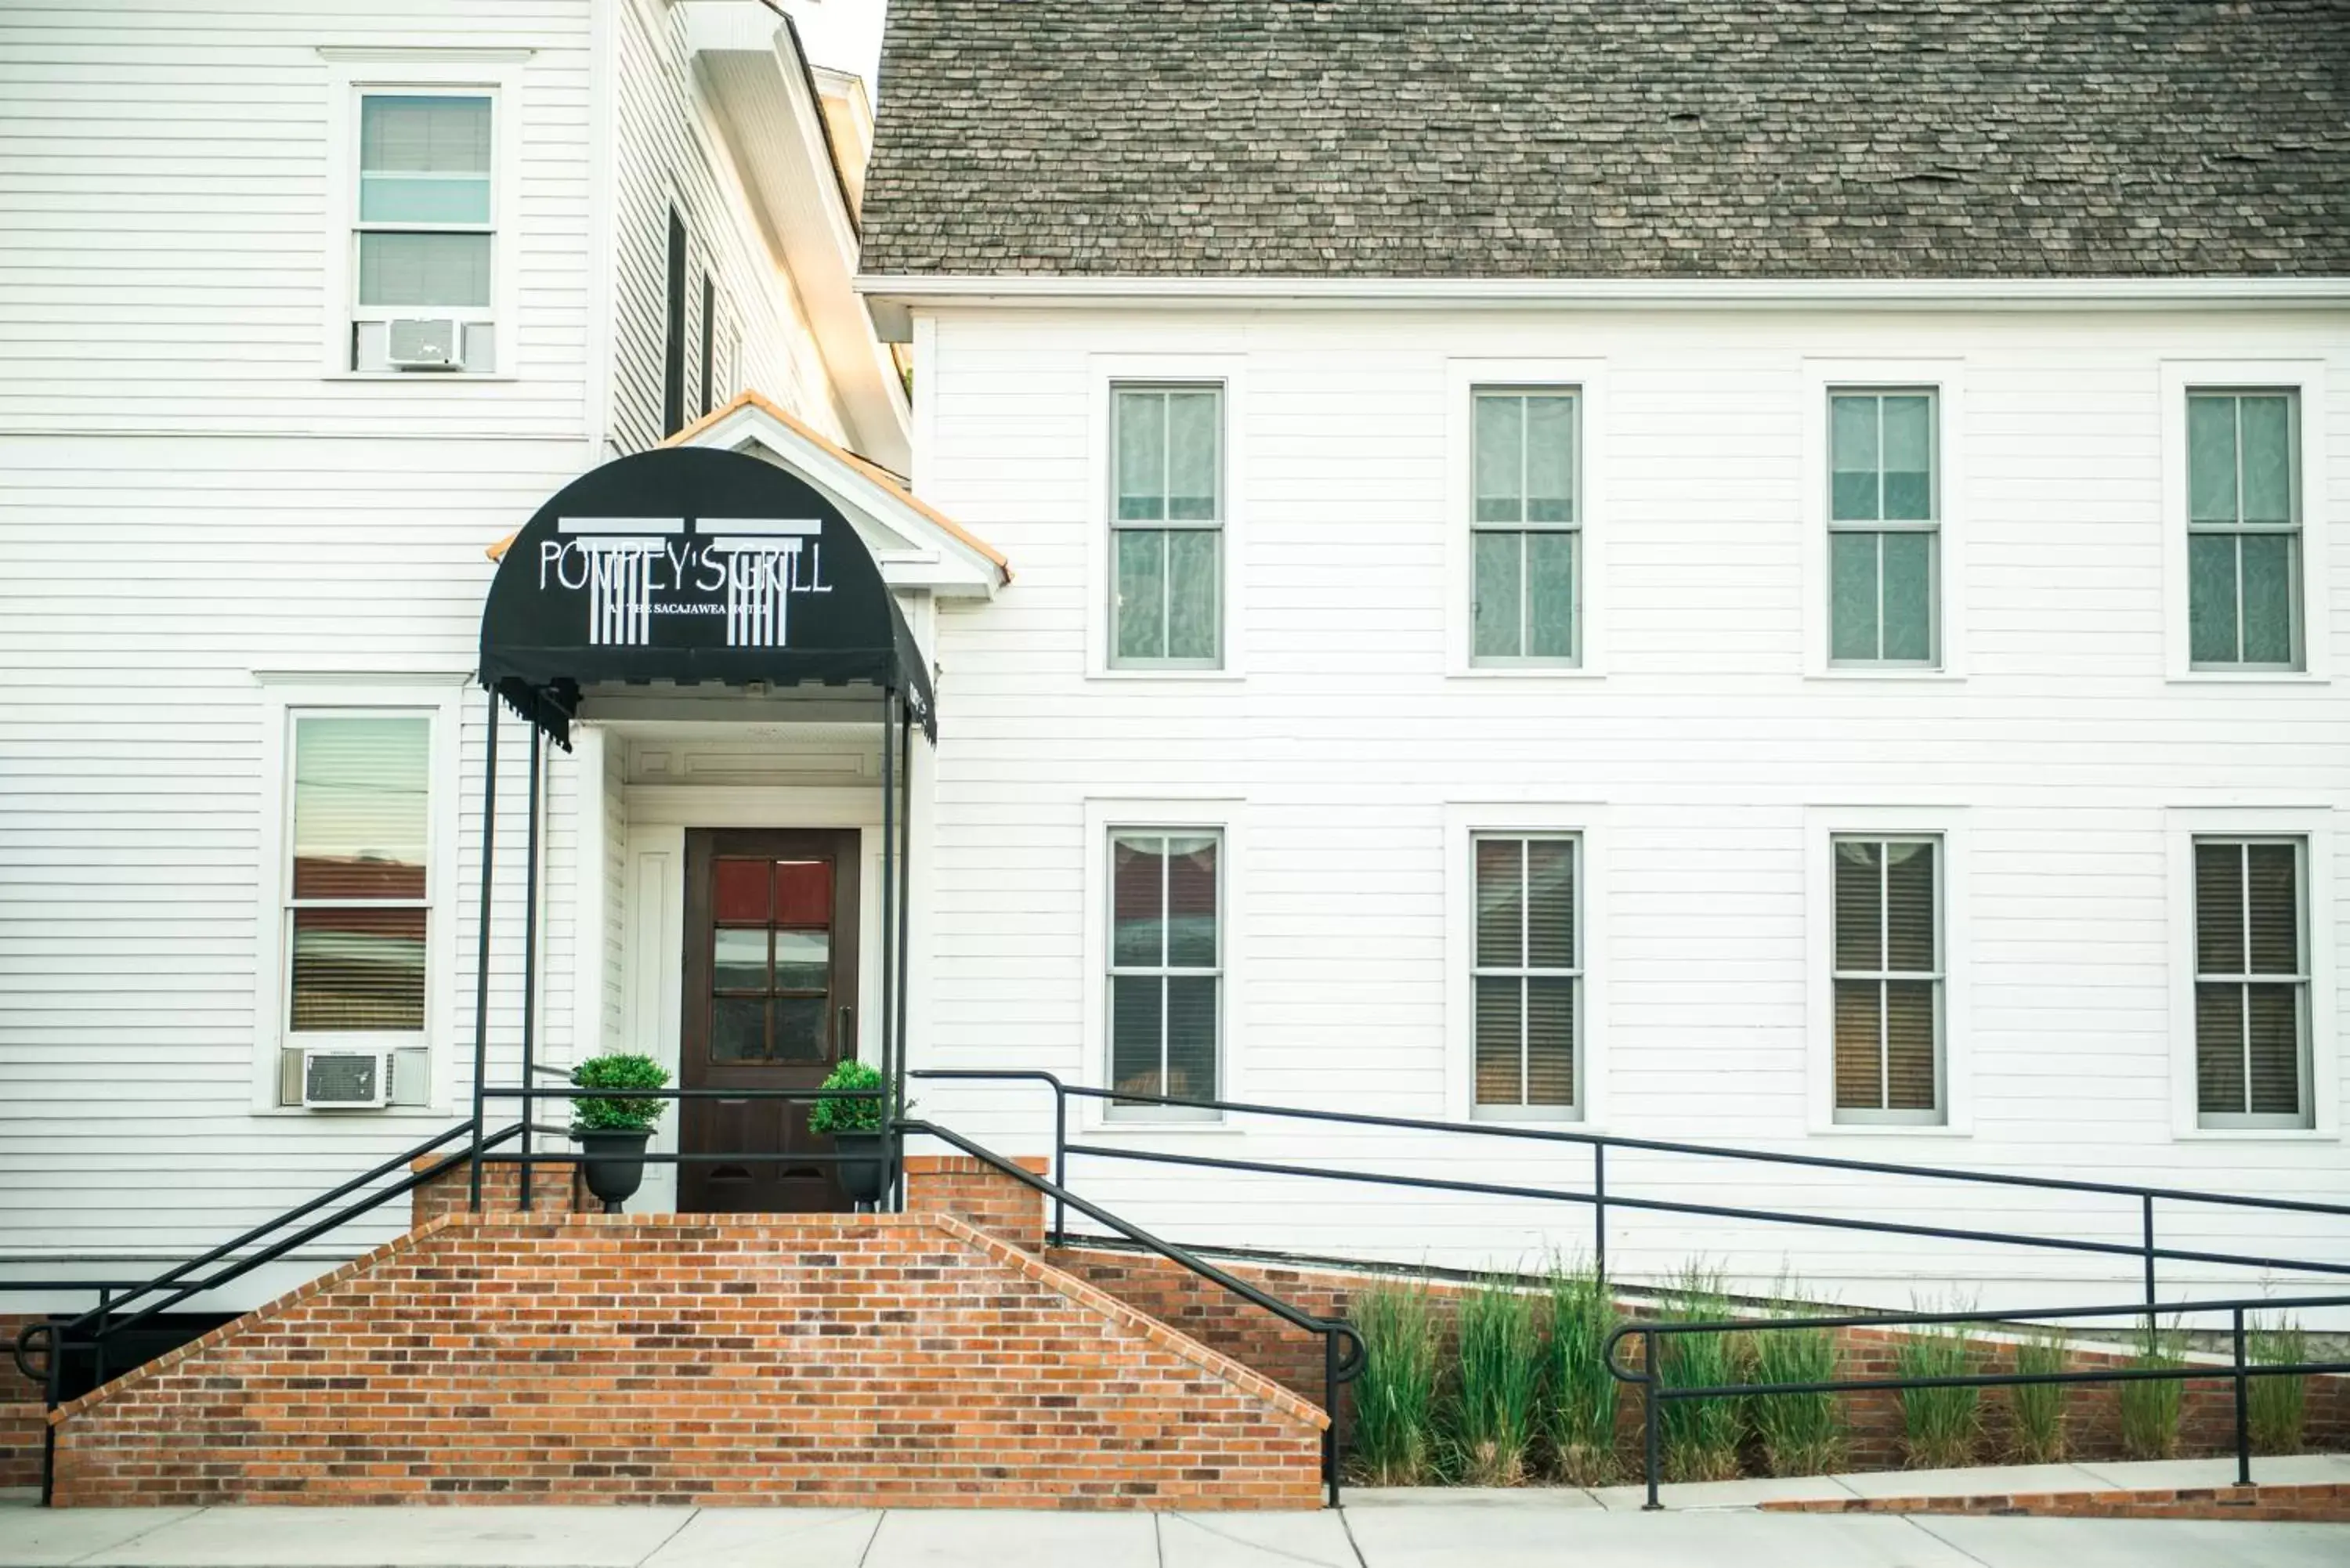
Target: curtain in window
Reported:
point(2251, 993)
point(1887, 987)
point(1523, 996)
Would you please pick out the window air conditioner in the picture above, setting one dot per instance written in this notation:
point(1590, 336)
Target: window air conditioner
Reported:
point(343, 1079)
point(424, 343)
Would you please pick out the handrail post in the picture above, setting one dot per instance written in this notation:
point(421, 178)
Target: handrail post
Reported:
point(1599, 1209)
point(529, 960)
point(2243, 1426)
point(1652, 1385)
point(52, 1384)
point(2146, 1231)
point(481, 947)
point(1332, 1454)
point(1060, 1161)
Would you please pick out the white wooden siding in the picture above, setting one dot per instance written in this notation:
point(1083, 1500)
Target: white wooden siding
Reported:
point(1704, 746)
point(164, 224)
point(666, 153)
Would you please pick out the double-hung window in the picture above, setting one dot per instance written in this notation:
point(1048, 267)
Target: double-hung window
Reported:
point(424, 231)
point(1527, 975)
point(1166, 519)
point(2243, 530)
point(1165, 968)
point(1889, 979)
point(358, 905)
point(1526, 527)
point(2252, 983)
point(1884, 528)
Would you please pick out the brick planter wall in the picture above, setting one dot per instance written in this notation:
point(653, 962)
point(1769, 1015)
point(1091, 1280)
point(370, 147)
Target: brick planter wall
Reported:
point(980, 1195)
point(839, 1359)
point(557, 1188)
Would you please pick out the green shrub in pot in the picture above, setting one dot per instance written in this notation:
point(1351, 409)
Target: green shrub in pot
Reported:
point(834, 1118)
point(617, 1071)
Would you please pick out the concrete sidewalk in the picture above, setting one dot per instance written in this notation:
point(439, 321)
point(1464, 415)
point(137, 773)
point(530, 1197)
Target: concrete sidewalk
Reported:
point(1704, 1527)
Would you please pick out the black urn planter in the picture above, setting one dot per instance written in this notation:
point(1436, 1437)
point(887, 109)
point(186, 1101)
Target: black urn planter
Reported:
point(614, 1164)
point(864, 1165)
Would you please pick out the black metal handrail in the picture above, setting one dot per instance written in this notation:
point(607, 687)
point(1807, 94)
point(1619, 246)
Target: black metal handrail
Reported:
point(1337, 1368)
point(175, 1287)
point(1655, 1391)
point(1601, 1199)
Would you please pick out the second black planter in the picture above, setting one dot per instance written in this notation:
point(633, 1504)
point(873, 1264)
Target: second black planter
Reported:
point(864, 1165)
point(614, 1164)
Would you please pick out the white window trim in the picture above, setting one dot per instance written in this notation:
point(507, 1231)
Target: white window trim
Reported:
point(1947, 379)
point(2306, 377)
point(1588, 379)
point(1822, 825)
point(1104, 815)
point(1104, 372)
point(497, 74)
point(1586, 822)
point(441, 699)
point(2314, 824)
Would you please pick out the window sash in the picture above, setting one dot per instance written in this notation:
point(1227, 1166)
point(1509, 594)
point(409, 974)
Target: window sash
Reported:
point(1525, 971)
point(2239, 528)
point(293, 905)
point(1163, 533)
point(1882, 526)
point(2245, 981)
point(1483, 398)
point(1884, 976)
point(1124, 395)
point(479, 319)
point(1165, 971)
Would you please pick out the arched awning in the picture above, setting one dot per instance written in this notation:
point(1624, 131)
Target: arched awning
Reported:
point(691, 566)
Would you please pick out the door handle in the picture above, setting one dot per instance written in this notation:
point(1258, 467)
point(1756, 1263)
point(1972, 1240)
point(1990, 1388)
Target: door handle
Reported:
point(847, 1032)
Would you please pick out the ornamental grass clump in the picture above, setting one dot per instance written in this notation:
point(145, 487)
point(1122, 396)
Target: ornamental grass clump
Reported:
point(1499, 1373)
point(2151, 1406)
point(2036, 1410)
point(2275, 1406)
point(618, 1071)
point(1940, 1426)
point(1578, 1395)
point(1701, 1436)
point(1800, 1434)
point(1395, 1395)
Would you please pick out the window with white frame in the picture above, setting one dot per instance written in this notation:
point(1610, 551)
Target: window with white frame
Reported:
point(2243, 530)
point(1526, 975)
point(1526, 526)
point(424, 231)
point(1889, 979)
point(2252, 983)
point(1167, 515)
point(358, 877)
point(1165, 968)
point(1884, 528)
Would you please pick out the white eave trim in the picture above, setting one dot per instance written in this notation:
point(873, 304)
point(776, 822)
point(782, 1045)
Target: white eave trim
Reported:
point(890, 296)
point(936, 560)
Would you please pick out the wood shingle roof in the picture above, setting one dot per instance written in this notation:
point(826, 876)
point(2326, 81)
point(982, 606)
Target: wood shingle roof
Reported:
point(1613, 138)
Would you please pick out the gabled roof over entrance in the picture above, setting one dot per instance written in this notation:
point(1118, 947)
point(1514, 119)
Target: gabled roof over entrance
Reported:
point(916, 544)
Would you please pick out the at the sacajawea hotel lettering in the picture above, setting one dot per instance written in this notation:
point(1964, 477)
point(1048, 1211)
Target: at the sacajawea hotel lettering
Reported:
point(634, 569)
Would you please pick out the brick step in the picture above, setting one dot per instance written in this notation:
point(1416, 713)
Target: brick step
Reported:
point(904, 1360)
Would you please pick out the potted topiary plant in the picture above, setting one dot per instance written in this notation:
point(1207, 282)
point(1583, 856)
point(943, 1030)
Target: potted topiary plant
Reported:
point(612, 1133)
point(857, 1127)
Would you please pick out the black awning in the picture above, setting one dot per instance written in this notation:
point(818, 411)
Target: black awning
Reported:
point(691, 566)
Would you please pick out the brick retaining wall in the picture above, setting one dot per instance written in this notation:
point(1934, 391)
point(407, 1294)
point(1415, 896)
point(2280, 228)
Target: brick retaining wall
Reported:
point(2317, 1502)
point(839, 1359)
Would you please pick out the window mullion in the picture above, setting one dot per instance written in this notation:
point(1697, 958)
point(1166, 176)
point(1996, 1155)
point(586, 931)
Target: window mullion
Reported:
point(1525, 960)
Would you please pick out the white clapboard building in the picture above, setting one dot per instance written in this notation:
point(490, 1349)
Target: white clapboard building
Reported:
point(1570, 568)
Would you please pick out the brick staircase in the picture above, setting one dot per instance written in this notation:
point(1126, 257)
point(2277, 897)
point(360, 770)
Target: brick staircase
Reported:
point(558, 1356)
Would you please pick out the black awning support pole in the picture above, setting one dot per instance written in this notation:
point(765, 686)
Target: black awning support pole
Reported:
point(481, 952)
point(904, 919)
point(888, 896)
point(530, 948)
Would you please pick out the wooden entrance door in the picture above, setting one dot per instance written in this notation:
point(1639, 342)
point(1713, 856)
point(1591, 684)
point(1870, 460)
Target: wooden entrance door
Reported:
point(770, 995)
